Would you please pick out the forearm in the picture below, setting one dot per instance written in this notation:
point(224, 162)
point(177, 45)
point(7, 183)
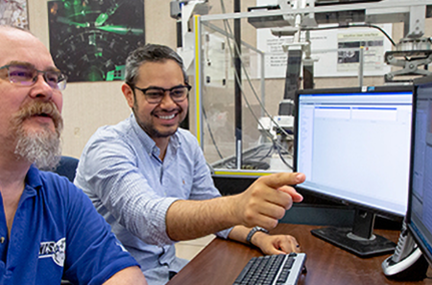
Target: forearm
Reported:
point(130, 275)
point(187, 219)
point(262, 204)
point(239, 233)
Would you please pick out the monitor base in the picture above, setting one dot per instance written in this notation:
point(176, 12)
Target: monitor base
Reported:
point(345, 239)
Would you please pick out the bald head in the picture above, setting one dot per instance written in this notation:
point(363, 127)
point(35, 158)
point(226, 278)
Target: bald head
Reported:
point(14, 33)
point(16, 42)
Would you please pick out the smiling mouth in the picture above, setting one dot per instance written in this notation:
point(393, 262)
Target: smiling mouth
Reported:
point(167, 117)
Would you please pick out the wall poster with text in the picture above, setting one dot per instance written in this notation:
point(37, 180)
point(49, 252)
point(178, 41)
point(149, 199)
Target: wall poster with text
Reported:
point(90, 39)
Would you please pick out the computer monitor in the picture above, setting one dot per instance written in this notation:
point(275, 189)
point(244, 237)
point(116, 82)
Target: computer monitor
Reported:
point(419, 214)
point(353, 144)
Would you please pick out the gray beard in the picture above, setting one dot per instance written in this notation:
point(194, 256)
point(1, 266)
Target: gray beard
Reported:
point(41, 148)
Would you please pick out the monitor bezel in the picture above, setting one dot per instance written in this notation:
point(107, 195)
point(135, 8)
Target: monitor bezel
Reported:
point(369, 89)
point(420, 82)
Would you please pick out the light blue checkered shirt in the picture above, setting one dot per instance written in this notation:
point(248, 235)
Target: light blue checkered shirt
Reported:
point(132, 189)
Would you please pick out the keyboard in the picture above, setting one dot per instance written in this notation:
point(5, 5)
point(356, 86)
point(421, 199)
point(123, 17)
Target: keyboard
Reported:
point(282, 269)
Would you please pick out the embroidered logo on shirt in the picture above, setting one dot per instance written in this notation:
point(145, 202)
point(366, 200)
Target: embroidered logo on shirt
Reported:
point(55, 250)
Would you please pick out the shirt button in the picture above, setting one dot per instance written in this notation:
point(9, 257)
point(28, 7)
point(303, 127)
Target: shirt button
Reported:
point(2, 239)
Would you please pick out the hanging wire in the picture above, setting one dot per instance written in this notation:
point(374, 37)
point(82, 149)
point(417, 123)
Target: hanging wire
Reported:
point(353, 26)
point(276, 145)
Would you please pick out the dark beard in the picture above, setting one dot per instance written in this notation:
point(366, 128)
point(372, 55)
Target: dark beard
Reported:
point(42, 147)
point(152, 132)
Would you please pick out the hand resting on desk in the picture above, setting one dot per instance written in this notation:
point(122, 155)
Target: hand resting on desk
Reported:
point(275, 244)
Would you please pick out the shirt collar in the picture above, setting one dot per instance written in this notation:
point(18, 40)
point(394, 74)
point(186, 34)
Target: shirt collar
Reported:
point(33, 183)
point(33, 178)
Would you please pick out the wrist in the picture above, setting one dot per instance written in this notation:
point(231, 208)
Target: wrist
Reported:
point(258, 239)
point(254, 234)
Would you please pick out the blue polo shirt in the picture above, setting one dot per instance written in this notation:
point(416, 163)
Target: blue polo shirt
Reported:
point(57, 234)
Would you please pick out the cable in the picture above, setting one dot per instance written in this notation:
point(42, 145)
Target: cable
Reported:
point(276, 145)
point(267, 154)
point(283, 160)
point(352, 26)
point(226, 24)
point(267, 133)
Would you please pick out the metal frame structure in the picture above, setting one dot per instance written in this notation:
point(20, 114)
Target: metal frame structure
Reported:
point(412, 13)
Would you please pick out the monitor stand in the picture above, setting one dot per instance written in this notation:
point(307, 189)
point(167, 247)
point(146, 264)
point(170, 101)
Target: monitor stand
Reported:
point(359, 240)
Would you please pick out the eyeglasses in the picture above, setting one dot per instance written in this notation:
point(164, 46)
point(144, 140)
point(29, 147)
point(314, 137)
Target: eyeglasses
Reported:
point(27, 75)
point(154, 95)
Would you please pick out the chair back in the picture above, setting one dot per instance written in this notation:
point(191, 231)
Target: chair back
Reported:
point(67, 167)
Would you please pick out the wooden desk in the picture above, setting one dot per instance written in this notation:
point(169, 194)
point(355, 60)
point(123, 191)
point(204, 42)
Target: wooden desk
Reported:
point(222, 260)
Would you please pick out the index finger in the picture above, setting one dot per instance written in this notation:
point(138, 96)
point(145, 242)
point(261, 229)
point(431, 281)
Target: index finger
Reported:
point(283, 178)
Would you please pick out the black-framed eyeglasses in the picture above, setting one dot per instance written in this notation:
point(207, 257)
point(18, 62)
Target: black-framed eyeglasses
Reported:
point(26, 75)
point(154, 95)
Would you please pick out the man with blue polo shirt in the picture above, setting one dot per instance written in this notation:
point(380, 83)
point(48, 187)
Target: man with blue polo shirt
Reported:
point(49, 230)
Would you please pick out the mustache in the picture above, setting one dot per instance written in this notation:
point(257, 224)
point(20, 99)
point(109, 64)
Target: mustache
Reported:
point(40, 109)
point(157, 110)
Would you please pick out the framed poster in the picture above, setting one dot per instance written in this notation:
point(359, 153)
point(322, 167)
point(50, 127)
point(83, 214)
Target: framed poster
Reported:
point(90, 39)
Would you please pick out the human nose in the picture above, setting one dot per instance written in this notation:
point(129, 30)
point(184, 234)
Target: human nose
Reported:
point(167, 99)
point(41, 88)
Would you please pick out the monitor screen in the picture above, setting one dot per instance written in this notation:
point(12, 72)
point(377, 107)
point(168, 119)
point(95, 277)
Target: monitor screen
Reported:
point(353, 144)
point(419, 214)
